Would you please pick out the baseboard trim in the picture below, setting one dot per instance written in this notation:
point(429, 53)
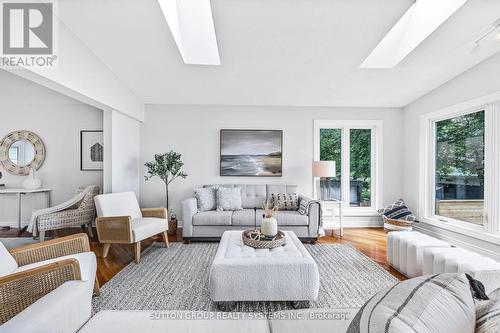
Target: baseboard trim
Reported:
point(459, 240)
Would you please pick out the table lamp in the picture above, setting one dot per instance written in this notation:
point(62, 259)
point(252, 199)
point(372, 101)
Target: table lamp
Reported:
point(322, 169)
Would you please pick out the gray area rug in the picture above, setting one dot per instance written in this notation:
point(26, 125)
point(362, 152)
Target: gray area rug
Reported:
point(177, 279)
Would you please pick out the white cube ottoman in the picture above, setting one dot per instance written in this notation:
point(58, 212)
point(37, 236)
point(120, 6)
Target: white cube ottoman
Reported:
point(242, 273)
point(405, 251)
point(455, 260)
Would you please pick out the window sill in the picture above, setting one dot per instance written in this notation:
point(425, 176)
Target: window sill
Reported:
point(471, 232)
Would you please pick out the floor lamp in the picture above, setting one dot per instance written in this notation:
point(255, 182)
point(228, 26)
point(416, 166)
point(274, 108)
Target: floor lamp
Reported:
point(321, 169)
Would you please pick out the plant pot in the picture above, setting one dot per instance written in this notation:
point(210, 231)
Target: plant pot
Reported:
point(269, 226)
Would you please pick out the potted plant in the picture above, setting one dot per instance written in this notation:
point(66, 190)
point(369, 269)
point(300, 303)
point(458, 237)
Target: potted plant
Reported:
point(269, 223)
point(167, 167)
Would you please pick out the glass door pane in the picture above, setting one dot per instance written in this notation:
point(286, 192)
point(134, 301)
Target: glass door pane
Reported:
point(331, 150)
point(460, 168)
point(360, 168)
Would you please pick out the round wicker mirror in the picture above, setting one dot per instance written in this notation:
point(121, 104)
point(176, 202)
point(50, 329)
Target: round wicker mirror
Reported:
point(20, 151)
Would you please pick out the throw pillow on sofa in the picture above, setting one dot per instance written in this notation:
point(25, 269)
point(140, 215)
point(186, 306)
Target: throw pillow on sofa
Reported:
point(440, 303)
point(285, 201)
point(206, 198)
point(397, 211)
point(229, 198)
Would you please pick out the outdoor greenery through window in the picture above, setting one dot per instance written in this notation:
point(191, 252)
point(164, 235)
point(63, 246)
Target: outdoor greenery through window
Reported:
point(460, 168)
point(331, 150)
point(360, 150)
point(360, 167)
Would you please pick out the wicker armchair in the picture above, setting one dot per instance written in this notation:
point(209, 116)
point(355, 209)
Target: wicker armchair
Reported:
point(31, 272)
point(78, 211)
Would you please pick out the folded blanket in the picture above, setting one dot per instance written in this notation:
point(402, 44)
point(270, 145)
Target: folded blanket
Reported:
point(305, 204)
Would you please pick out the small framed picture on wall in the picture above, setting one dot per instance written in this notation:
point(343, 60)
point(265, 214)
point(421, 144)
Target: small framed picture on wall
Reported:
point(91, 150)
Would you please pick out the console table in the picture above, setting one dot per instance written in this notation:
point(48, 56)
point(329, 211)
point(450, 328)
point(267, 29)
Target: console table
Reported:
point(330, 207)
point(20, 192)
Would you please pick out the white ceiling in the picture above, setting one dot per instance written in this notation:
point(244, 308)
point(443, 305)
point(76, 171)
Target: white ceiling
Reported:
point(279, 52)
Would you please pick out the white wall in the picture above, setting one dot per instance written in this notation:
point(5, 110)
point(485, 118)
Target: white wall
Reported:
point(57, 120)
point(124, 146)
point(193, 131)
point(484, 79)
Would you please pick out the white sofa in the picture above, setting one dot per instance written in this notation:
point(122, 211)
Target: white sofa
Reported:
point(43, 290)
point(210, 225)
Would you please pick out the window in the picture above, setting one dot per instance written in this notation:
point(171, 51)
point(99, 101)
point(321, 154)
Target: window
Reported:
point(355, 147)
point(460, 180)
point(459, 168)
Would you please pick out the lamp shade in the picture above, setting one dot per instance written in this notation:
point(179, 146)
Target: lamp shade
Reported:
point(323, 169)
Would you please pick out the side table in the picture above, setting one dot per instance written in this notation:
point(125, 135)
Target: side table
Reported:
point(330, 209)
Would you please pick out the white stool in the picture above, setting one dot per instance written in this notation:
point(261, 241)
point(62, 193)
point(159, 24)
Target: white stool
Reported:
point(455, 260)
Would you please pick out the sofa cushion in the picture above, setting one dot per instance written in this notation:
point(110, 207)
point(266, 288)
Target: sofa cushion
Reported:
point(245, 217)
point(213, 218)
point(252, 196)
point(291, 218)
point(118, 204)
point(229, 198)
point(440, 303)
point(7, 262)
point(146, 227)
point(206, 198)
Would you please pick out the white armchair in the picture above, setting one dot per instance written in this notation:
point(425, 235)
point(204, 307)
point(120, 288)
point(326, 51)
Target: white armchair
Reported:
point(47, 287)
point(121, 221)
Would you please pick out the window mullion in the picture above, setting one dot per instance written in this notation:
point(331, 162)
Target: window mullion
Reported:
point(346, 160)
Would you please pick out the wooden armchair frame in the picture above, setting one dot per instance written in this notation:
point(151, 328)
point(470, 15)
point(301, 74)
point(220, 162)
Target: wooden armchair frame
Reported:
point(21, 289)
point(118, 230)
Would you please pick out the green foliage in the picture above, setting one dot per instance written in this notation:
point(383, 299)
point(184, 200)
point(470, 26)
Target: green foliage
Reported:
point(167, 167)
point(460, 146)
point(330, 147)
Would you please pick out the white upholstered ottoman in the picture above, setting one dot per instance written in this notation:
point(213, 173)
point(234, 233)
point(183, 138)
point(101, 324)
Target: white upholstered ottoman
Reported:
point(405, 250)
point(242, 273)
point(455, 260)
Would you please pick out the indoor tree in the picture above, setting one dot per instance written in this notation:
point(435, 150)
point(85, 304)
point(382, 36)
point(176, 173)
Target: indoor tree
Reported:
point(167, 167)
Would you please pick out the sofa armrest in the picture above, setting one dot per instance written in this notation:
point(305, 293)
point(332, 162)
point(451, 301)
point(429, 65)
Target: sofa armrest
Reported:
point(114, 229)
point(51, 249)
point(21, 289)
point(189, 209)
point(160, 213)
point(314, 217)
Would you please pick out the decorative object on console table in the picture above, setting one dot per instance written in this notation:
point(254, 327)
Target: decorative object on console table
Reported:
point(32, 182)
point(321, 169)
point(91, 150)
point(251, 153)
point(167, 167)
point(269, 223)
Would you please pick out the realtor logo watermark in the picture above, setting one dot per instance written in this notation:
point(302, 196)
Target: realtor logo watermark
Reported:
point(28, 34)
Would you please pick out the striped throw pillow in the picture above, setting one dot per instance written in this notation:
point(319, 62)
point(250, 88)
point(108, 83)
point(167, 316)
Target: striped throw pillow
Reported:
point(397, 211)
point(488, 316)
point(440, 303)
point(285, 201)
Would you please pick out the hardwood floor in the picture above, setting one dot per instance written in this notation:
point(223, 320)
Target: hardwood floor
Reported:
point(370, 241)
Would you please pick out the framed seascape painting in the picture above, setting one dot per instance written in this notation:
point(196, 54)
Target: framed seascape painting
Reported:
point(91, 150)
point(251, 153)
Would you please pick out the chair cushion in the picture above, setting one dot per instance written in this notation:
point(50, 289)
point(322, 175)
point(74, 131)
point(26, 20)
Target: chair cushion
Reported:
point(7, 262)
point(146, 227)
point(118, 204)
point(86, 260)
point(291, 218)
point(244, 217)
point(213, 218)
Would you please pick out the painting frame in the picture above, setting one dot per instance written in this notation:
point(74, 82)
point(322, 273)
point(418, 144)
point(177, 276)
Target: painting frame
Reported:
point(86, 165)
point(278, 135)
